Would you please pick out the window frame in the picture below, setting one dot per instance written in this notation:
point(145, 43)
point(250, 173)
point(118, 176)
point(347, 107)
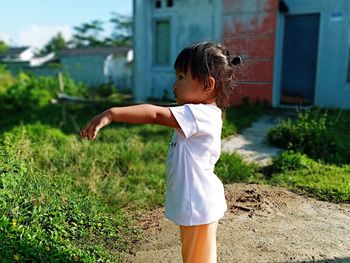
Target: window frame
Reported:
point(154, 40)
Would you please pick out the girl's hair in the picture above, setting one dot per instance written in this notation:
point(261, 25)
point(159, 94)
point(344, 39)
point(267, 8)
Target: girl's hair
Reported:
point(206, 59)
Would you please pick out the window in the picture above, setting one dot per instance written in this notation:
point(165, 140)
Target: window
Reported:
point(348, 75)
point(170, 3)
point(158, 3)
point(162, 42)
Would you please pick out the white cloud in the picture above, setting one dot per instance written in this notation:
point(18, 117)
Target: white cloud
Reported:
point(5, 37)
point(38, 36)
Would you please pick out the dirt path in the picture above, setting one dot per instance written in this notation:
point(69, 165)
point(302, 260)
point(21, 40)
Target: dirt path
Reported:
point(263, 224)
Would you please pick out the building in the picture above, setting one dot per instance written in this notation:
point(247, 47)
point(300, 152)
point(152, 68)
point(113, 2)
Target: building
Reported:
point(91, 66)
point(96, 66)
point(26, 59)
point(294, 51)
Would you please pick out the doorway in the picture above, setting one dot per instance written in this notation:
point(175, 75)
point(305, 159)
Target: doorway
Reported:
point(299, 59)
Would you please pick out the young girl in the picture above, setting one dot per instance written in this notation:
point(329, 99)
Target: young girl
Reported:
point(195, 197)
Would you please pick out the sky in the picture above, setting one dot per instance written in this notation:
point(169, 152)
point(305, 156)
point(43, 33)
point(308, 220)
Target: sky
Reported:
point(35, 22)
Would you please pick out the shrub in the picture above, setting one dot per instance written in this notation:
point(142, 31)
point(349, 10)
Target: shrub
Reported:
point(6, 80)
point(290, 161)
point(311, 133)
point(31, 92)
point(231, 168)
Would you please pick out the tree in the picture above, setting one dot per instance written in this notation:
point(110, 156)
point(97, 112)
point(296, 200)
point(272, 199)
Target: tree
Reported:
point(3, 47)
point(89, 34)
point(56, 44)
point(122, 30)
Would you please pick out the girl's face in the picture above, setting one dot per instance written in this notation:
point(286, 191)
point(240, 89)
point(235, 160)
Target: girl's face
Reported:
point(189, 90)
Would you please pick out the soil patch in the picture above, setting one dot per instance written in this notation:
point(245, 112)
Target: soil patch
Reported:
point(262, 224)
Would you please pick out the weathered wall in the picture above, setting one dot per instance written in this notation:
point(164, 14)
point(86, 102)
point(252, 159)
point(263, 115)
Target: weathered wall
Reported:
point(86, 69)
point(332, 87)
point(191, 21)
point(249, 30)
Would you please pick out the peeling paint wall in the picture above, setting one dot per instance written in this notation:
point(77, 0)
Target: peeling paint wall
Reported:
point(249, 30)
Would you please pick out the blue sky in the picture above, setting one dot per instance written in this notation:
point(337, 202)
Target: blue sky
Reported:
point(34, 22)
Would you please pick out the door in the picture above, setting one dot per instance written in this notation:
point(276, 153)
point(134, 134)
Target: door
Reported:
point(299, 59)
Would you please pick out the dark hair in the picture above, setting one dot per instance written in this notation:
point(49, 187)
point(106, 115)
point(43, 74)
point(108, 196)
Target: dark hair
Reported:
point(207, 59)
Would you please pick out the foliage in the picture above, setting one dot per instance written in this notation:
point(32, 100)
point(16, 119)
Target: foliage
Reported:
point(56, 44)
point(6, 80)
point(122, 30)
point(30, 92)
point(298, 172)
point(107, 92)
point(231, 168)
point(3, 47)
point(312, 133)
point(46, 215)
point(63, 199)
point(291, 161)
point(90, 34)
point(237, 118)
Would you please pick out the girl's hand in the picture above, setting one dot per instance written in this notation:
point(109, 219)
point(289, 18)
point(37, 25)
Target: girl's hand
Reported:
point(94, 125)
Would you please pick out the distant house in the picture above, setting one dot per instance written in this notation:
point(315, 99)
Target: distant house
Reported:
point(96, 66)
point(294, 51)
point(91, 66)
point(26, 59)
point(19, 54)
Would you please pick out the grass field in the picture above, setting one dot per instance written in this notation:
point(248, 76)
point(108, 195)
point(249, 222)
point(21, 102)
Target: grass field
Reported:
point(66, 199)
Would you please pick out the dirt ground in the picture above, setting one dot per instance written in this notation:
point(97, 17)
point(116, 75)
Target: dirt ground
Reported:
point(262, 224)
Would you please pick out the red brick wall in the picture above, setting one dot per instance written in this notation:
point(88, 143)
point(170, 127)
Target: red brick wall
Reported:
point(249, 30)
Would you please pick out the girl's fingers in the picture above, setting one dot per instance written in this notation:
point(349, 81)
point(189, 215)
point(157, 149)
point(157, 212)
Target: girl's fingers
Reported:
point(95, 133)
point(83, 132)
point(90, 131)
point(93, 126)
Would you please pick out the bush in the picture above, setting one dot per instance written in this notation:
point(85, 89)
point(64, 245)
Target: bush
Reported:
point(31, 92)
point(6, 80)
point(291, 161)
point(311, 133)
point(231, 168)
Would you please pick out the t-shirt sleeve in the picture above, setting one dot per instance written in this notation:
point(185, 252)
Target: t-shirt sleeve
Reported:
point(185, 119)
point(194, 119)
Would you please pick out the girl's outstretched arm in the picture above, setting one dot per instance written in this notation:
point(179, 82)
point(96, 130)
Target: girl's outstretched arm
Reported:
point(144, 113)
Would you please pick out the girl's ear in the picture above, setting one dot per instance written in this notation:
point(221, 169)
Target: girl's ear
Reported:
point(212, 83)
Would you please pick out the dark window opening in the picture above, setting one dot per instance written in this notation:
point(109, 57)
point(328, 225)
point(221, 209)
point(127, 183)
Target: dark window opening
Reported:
point(158, 3)
point(170, 3)
point(348, 76)
point(162, 43)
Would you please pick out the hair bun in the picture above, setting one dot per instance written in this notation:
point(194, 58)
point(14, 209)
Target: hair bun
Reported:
point(236, 60)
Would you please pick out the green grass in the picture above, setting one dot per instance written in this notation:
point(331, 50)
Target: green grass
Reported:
point(240, 117)
point(64, 199)
point(300, 173)
point(319, 171)
point(325, 179)
point(47, 212)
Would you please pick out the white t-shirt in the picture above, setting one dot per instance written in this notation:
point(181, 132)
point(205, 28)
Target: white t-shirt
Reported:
point(194, 194)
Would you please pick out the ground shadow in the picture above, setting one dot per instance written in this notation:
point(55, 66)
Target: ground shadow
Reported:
point(340, 260)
